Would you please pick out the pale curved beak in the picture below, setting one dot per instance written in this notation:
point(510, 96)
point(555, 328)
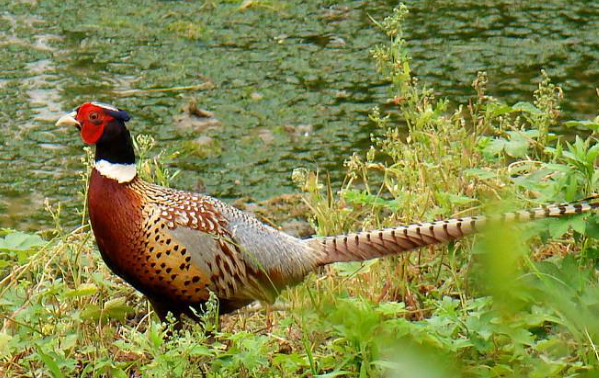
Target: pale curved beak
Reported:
point(69, 120)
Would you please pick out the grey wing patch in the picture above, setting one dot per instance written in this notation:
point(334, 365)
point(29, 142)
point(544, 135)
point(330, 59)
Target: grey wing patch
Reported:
point(230, 276)
point(284, 258)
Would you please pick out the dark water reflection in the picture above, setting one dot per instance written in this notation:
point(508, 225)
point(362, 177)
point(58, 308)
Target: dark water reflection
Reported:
point(292, 86)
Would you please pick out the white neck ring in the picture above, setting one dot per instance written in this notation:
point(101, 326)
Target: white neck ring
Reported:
point(119, 172)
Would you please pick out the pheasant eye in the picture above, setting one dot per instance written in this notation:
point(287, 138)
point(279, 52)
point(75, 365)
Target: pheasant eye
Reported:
point(93, 116)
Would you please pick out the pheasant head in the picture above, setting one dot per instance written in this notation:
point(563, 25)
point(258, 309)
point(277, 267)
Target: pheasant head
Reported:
point(97, 122)
point(104, 126)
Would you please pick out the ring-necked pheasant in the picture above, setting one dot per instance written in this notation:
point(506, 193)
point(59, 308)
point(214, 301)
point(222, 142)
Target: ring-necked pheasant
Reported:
point(176, 246)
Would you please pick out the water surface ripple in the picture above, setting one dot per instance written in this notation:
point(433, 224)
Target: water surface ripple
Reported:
point(293, 84)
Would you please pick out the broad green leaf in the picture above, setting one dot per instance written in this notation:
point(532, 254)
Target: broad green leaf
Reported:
point(91, 312)
point(459, 200)
point(558, 227)
point(593, 253)
point(517, 148)
point(69, 341)
point(363, 198)
point(495, 147)
point(118, 373)
point(521, 336)
point(84, 290)
point(348, 269)
point(199, 351)
point(531, 134)
point(480, 173)
point(20, 241)
point(391, 308)
point(495, 110)
point(522, 135)
point(558, 167)
point(4, 340)
point(578, 224)
point(155, 335)
point(592, 227)
point(548, 344)
point(502, 370)
point(527, 107)
point(591, 125)
point(50, 363)
point(117, 308)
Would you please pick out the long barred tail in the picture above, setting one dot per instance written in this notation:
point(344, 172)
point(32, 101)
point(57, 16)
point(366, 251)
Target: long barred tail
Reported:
point(372, 244)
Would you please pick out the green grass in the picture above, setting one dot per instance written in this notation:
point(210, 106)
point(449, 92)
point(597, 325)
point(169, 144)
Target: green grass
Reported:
point(517, 301)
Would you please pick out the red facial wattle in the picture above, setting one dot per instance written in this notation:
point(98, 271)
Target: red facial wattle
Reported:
point(91, 133)
point(93, 119)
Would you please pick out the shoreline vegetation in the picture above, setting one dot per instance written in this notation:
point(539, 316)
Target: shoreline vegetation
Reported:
point(515, 301)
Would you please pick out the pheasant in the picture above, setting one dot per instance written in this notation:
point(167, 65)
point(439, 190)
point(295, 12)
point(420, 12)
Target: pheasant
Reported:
point(176, 247)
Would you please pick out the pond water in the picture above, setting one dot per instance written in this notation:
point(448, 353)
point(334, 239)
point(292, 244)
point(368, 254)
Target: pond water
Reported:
point(291, 82)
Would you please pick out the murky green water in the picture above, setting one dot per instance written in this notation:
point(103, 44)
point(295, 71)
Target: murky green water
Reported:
point(293, 83)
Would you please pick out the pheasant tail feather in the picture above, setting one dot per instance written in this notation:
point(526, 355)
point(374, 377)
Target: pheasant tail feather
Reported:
point(372, 244)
